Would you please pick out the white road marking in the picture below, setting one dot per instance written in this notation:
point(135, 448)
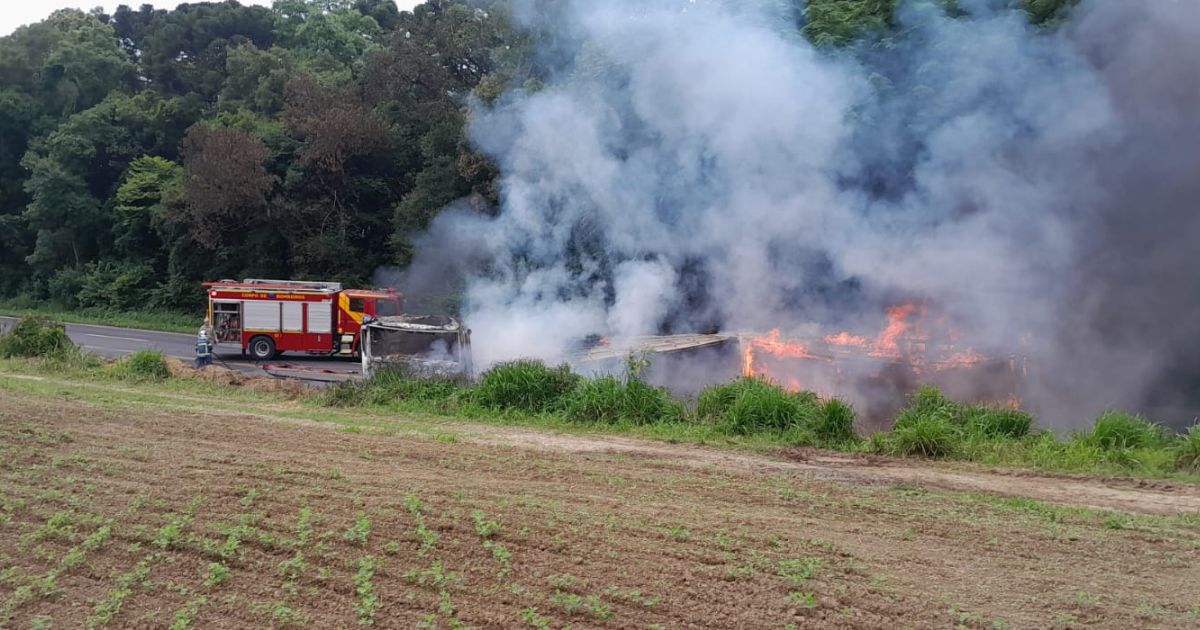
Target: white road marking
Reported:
point(112, 337)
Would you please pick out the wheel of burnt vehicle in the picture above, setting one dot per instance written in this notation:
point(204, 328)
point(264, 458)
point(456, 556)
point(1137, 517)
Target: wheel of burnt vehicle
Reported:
point(262, 348)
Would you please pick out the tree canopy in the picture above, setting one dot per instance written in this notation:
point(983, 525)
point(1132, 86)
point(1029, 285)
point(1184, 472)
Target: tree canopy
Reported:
point(144, 151)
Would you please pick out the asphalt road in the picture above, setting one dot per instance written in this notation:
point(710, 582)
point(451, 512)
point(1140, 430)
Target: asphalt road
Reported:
point(111, 343)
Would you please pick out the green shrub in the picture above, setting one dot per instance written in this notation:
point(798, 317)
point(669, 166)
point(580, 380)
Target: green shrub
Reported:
point(344, 394)
point(147, 365)
point(394, 384)
point(526, 385)
point(1187, 450)
point(1116, 430)
point(998, 422)
point(37, 337)
point(596, 400)
point(751, 405)
point(1152, 460)
point(609, 399)
point(929, 402)
point(646, 404)
point(1049, 453)
point(115, 285)
point(834, 424)
point(932, 425)
point(715, 400)
point(399, 383)
point(926, 436)
point(761, 405)
point(877, 443)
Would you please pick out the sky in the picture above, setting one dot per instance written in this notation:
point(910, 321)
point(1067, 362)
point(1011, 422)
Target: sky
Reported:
point(14, 13)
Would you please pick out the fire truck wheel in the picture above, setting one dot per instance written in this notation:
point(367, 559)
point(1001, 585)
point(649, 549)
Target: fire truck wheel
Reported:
point(262, 348)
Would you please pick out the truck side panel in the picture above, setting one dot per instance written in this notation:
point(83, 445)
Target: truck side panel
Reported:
point(320, 317)
point(293, 316)
point(261, 315)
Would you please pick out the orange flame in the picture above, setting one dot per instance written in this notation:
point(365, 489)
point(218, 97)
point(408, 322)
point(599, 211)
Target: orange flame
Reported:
point(846, 339)
point(898, 327)
point(966, 358)
point(909, 338)
point(771, 344)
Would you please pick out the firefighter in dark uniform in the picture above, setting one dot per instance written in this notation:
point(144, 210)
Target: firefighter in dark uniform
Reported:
point(204, 349)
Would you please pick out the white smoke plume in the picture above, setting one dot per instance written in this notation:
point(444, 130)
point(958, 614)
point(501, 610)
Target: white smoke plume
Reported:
point(698, 164)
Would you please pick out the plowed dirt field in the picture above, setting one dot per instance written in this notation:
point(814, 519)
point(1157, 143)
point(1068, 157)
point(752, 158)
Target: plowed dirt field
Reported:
point(142, 518)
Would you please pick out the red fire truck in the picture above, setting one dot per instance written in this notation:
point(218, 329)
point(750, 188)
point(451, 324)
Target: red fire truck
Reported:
point(268, 317)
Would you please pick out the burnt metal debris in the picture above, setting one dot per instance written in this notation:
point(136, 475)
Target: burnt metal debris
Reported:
point(435, 345)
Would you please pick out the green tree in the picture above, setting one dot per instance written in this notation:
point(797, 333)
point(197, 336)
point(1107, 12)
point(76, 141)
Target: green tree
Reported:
point(85, 65)
point(75, 170)
point(68, 62)
point(151, 187)
point(254, 79)
point(328, 38)
point(184, 51)
point(837, 22)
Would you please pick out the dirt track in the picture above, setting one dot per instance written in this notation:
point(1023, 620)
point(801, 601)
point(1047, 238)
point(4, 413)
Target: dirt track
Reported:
point(1130, 495)
point(589, 532)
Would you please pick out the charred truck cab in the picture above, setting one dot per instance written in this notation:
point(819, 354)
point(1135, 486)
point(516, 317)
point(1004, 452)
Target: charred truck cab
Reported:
point(264, 318)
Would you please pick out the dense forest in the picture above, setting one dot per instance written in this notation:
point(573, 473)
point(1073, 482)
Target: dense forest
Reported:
point(144, 151)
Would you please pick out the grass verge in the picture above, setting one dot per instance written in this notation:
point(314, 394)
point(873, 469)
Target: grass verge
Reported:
point(748, 413)
point(164, 321)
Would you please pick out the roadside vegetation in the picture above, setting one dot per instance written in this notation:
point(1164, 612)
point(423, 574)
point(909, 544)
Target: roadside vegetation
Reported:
point(35, 337)
point(931, 426)
point(748, 412)
point(160, 320)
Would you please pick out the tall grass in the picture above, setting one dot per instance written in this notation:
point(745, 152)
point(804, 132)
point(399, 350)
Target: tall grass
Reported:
point(1187, 451)
point(144, 365)
point(834, 425)
point(752, 405)
point(927, 404)
point(997, 422)
point(37, 337)
point(525, 385)
point(1118, 430)
point(396, 384)
point(759, 411)
point(924, 436)
point(932, 425)
point(611, 399)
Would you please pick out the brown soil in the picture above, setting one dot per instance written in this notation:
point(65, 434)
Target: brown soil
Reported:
point(225, 376)
point(1124, 494)
point(602, 532)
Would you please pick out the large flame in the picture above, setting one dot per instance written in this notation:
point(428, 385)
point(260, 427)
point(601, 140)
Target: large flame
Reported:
point(965, 358)
point(887, 344)
point(772, 344)
point(846, 339)
point(902, 336)
point(905, 341)
point(900, 327)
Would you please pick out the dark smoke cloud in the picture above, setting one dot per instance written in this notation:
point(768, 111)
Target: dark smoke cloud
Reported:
point(1130, 335)
point(697, 163)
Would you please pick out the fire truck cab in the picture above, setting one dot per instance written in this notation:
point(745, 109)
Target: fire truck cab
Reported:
point(265, 318)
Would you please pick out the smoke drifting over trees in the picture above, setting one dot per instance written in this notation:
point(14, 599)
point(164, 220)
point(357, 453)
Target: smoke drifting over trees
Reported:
point(699, 163)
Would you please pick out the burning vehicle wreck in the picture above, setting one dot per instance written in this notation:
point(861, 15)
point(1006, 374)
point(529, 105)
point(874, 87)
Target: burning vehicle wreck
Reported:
point(873, 372)
point(433, 345)
point(877, 373)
